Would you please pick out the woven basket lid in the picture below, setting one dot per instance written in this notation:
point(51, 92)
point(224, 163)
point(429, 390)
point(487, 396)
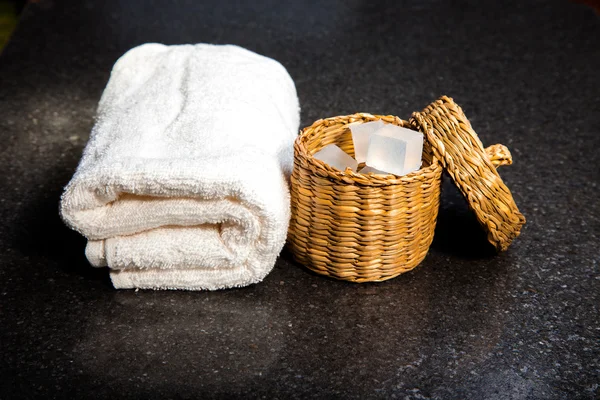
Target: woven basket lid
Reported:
point(457, 146)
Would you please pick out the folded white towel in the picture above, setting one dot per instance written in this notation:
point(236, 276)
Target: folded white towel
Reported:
point(183, 183)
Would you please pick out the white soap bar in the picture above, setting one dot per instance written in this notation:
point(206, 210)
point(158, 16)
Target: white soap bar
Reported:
point(360, 137)
point(336, 157)
point(371, 170)
point(395, 150)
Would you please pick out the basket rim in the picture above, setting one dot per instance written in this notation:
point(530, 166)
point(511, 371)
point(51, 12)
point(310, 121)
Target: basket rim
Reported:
point(303, 157)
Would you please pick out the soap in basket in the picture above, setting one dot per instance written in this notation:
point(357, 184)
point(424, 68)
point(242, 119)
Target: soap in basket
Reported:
point(336, 157)
point(361, 132)
point(370, 170)
point(395, 150)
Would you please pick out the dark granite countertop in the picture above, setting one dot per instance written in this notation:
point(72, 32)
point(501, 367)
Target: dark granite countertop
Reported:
point(466, 324)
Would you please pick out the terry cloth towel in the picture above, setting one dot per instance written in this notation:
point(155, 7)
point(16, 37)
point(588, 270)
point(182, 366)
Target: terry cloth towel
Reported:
point(183, 183)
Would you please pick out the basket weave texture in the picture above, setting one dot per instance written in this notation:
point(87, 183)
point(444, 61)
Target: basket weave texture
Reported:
point(457, 146)
point(356, 227)
point(359, 227)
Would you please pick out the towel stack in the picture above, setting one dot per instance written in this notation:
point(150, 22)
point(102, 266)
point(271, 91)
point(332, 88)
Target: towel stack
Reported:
point(183, 184)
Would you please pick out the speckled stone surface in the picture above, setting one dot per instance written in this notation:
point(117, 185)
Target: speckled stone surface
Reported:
point(465, 324)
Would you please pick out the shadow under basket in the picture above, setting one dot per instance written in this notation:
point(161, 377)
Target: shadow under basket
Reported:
point(356, 227)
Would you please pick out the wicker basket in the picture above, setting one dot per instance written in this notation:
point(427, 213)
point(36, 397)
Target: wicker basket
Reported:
point(359, 227)
point(356, 227)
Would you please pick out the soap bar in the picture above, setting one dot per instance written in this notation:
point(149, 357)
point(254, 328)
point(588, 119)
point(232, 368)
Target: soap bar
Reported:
point(360, 137)
point(336, 157)
point(395, 150)
point(370, 170)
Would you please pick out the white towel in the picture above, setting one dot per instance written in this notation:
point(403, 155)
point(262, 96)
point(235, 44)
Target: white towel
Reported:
point(183, 183)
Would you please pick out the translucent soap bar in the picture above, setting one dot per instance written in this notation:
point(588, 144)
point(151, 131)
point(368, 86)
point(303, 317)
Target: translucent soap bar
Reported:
point(395, 150)
point(371, 170)
point(336, 157)
point(360, 137)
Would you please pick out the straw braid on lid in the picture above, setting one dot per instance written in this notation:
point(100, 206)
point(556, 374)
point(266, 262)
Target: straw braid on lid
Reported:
point(457, 146)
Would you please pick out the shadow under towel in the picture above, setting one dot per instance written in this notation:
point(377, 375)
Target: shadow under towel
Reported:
point(183, 183)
